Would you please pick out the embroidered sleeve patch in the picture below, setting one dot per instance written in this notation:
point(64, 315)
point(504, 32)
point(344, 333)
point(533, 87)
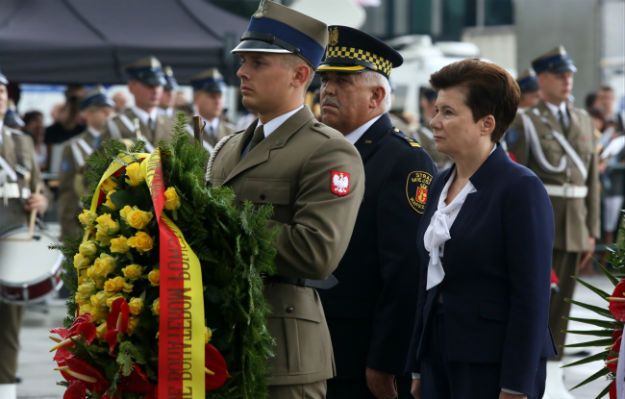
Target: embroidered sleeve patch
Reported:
point(339, 183)
point(417, 190)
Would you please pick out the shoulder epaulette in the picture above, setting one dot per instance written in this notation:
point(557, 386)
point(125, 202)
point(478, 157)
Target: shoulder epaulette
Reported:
point(411, 142)
point(321, 128)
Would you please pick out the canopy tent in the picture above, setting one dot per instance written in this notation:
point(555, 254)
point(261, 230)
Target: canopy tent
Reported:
point(90, 41)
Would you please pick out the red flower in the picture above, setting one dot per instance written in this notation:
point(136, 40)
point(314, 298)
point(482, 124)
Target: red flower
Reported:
point(136, 382)
point(78, 372)
point(116, 322)
point(216, 370)
point(613, 390)
point(82, 326)
point(612, 360)
point(617, 302)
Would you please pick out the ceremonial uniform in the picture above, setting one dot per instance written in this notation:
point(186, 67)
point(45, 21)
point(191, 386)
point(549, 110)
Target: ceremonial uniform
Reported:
point(19, 177)
point(314, 180)
point(374, 301)
point(148, 125)
point(208, 90)
point(563, 156)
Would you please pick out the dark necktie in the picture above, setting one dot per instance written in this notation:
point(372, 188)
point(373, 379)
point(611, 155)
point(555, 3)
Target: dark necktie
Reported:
point(562, 120)
point(257, 137)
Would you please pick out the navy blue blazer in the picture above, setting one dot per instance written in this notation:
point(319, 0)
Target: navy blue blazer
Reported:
point(497, 267)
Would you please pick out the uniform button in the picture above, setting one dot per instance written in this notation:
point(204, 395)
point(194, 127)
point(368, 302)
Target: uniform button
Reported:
point(290, 309)
point(262, 197)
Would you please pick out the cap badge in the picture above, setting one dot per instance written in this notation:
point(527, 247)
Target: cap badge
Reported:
point(333, 38)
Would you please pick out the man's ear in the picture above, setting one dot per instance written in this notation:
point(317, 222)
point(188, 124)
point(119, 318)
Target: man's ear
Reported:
point(377, 96)
point(302, 74)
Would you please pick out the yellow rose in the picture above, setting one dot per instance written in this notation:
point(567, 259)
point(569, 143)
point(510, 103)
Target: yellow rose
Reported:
point(172, 201)
point(98, 299)
point(106, 224)
point(133, 322)
point(132, 271)
point(154, 277)
point(208, 334)
point(108, 185)
point(141, 241)
point(156, 307)
point(119, 245)
point(82, 299)
point(81, 261)
point(109, 202)
point(136, 218)
point(111, 298)
point(87, 288)
point(103, 266)
point(102, 237)
point(135, 174)
point(88, 248)
point(84, 308)
point(86, 217)
point(135, 306)
point(98, 314)
point(114, 284)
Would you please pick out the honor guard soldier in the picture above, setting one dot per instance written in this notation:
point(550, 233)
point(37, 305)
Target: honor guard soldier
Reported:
point(311, 176)
point(208, 96)
point(424, 135)
point(143, 121)
point(530, 96)
point(19, 181)
point(556, 141)
point(369, 309)
point(166, 105)
point(96, 109)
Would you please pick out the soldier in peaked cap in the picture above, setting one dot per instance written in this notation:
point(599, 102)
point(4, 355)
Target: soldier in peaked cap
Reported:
point(96, 107)
point(556, 141)
point(166, 104)
point(310, 174)
point(375, 299)
point(529, 89)
point(208, 96)
point(143, 121)
point(19, 178)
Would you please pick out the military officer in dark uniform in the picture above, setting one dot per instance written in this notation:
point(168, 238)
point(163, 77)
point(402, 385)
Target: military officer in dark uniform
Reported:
point(143, 121)
point(19, 182)
point(556, 141)
point(311, 176)
point(96, 108)
point(208, 96)
point(369, 310)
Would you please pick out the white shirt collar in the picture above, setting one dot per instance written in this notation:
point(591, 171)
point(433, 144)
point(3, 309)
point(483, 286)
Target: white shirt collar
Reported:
point(93, 132)
point(276, 122)
point(214, 123)
point(354, 136)
point(555, 109)
point(145, 116)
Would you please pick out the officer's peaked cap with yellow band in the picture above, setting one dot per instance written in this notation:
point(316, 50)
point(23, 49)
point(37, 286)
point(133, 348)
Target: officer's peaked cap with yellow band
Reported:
point(148, 71)
point(278, 29)
point(351, 50)
point(555, 61)
point(209, 80)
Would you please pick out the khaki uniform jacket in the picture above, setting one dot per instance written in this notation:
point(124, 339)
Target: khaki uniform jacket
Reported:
point(210, 139)
point(17, 148)
point(292, 170)
point(576, 219)
point(122, 126)
point(72, 184)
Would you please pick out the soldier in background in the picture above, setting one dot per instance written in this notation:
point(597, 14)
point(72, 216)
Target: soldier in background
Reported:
point(557, 142)
point(96, 108)
point(311, 176)
point(168, 98)
point(208, 96)
point(424, 136)
point(369, 309)
point(528, 84)
point(19, 182)
point(143, 121)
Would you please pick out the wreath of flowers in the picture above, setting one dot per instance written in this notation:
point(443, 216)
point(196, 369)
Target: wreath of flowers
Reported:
point(109, 345)
point(610, 326)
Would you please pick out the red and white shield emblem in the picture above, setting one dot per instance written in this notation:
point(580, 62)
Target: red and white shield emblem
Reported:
point(339, 183)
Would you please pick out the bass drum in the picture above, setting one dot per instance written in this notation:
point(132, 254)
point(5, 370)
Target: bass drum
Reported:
point(29, 269)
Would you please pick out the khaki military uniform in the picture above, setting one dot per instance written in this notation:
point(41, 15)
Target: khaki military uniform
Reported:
point(293, 170)
point(72, 184)
point(210, 137)
point(572, 185)
point(18, 151)
point(123, 125)
point(425, 137)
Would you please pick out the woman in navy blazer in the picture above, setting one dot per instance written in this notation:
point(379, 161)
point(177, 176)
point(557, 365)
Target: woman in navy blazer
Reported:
point(484, 246)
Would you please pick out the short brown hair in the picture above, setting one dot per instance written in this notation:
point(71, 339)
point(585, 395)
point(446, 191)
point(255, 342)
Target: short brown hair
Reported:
point(490, 90)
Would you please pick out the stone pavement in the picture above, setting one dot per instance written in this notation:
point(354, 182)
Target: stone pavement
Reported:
point(39, 379)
